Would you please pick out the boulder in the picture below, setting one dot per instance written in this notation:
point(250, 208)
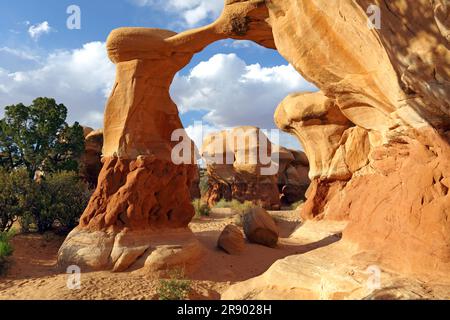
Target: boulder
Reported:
point(260, 228)
point(231, 240)
point(124, 250)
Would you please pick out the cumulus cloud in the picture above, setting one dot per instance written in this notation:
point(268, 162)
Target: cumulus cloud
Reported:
point(192, 12)
point(234, 93)
point(230, 91)
point(37, 30)
point(80, 78)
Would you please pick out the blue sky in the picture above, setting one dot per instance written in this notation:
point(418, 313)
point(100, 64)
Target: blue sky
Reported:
point(40, 56)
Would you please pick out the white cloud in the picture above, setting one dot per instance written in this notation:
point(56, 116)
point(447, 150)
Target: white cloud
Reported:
point(20, 54)
point(81, 79)
point(37, 30)
point(234, 93)
point(241, 44)
point(192, 12)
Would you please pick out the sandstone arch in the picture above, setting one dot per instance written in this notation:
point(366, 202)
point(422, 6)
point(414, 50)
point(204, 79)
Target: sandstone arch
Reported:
point(382, 119)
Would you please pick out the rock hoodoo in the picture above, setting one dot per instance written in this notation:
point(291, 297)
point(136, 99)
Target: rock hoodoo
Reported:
point(236, 160)
point(376, 135)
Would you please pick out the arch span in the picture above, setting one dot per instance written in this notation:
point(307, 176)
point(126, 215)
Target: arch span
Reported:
point(381, 119)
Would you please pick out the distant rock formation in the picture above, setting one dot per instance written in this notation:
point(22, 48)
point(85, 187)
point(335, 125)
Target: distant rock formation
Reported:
point(293, 179)
point(235, 170)
point(91, 159)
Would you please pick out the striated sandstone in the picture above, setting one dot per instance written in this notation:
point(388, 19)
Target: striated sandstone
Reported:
point(385, 169)
point(235, 163)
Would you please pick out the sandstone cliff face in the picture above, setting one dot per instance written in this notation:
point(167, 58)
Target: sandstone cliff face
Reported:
point(236, 169)
point(376, 135)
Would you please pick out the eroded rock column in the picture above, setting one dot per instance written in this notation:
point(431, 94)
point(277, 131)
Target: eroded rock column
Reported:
point(139, 213)
point(142, 195)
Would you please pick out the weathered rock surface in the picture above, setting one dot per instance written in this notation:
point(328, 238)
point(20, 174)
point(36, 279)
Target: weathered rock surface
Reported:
point(231, 240)
point(150, 251)
point(293, 180)
point(141, 186)
point(331, 269)
point(236, 167)
point(194, 189)
point(260, 228)
point(376, 133)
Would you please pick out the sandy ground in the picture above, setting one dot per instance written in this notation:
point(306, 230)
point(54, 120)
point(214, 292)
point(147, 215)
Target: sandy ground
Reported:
point(33, 274)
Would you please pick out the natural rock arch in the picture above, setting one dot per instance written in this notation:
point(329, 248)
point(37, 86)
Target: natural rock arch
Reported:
point(374, 98)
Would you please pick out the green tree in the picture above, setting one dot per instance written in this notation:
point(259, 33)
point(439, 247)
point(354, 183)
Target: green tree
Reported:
point(64, 198)
point(13, 188)
point(37, 137)
point(58, 197)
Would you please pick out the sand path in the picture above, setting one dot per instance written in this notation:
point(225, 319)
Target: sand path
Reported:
point(33, 273)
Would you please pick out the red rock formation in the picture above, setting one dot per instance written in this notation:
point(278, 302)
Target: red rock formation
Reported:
point(141, 192)
point(237, 178)
point(376, 136)
point(385, 169)
point(235, 168)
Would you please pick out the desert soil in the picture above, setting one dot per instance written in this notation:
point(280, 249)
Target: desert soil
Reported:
point(33, 273)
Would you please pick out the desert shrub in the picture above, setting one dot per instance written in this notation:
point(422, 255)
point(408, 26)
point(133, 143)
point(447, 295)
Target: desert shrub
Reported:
point(5, 249)
point(204, 183)
point(297, 204)
point(235, 205)
point(13, 188)
point(174, 288)
point(64, 196)
point(238, 207)
point(58, 198)
point(201, 208)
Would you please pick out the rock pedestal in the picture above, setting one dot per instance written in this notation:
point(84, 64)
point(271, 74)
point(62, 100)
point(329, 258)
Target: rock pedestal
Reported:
point(141, 191)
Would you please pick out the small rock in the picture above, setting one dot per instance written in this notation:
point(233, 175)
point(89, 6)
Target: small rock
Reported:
point(259, 227)
point(231, 240)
